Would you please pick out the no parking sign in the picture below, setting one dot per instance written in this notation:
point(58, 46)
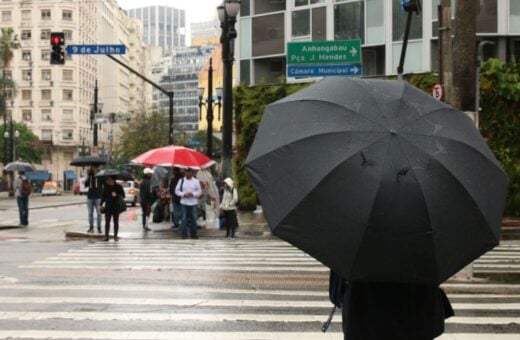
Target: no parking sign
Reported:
point(437, 91)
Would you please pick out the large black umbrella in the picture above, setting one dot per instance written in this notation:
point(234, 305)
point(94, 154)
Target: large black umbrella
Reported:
point(378, 180)
point(120, 175)
point(87, 161)
point(19, 166)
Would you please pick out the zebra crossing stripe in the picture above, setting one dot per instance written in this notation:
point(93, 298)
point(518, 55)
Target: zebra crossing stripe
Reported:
point(179, 267)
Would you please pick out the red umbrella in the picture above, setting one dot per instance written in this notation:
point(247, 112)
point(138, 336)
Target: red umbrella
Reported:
point(173, 155)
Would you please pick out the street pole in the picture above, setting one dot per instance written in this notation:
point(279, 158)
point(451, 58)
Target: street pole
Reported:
point(11, 141)
point(4, 108)
point(170, 118)
point(480, 59)
point(410, 6)
point(209, 136)
point(94, 114)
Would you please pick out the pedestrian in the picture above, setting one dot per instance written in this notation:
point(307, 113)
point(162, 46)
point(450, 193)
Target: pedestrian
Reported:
point(145, 192)
point(110, 200)
point(188, 189)
point(22, 190)
point(229, 208)
point(94, 185)
point(397, 311)
point(176, 209)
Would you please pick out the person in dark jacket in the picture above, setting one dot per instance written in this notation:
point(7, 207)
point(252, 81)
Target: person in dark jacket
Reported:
point(112, 193)
point(176, 209)
point(94, 185)
point(397, 311)
point(145, 191)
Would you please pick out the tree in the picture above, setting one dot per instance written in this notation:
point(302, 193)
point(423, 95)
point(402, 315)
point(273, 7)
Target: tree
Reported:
point(142, 133)
point(24, 150)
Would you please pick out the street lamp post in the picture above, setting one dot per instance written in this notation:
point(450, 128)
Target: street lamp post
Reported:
point(95, 108)
point(11, 137)
point(227, 13)
point(209, 108)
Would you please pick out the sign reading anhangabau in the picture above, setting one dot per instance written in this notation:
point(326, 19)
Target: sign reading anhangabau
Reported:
point(324, 58)
point(96, 49)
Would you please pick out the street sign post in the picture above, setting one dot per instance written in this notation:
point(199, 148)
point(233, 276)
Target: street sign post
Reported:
point(96, 49)
point(324, 58)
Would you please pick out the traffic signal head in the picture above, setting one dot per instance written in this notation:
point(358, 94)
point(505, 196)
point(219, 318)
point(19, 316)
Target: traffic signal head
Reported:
point(57, 48)
point(412, 6)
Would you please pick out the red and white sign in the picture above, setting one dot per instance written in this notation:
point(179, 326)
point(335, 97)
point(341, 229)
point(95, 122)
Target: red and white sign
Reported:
point(437, 91)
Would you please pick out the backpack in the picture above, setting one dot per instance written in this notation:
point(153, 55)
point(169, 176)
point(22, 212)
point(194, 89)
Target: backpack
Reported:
point(26, 187)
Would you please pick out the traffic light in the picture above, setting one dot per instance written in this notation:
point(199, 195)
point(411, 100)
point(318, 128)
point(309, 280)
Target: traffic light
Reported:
point(57, 48)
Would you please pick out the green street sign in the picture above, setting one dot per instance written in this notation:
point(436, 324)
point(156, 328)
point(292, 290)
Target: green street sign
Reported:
point(324, 52)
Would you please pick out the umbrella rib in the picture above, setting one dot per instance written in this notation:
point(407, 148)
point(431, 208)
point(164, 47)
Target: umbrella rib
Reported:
point(424, 116)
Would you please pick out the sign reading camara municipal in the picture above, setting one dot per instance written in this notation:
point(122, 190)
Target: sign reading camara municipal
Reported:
point(96, 49)
point(324, 58)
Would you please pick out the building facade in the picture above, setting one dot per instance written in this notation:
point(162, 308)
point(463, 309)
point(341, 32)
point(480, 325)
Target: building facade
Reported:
point(265, 28)
point(162, 26)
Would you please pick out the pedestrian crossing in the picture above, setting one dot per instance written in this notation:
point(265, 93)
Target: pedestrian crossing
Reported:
point(210, 289)
point(46, 223)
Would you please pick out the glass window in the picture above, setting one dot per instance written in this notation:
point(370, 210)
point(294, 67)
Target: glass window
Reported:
point(269, 6)
point(46, 115)
point(319, 24)
point(46, 95)
point(68, 115)
point(67, 75)
point(514, 16)
point(245, 6)
point(68, 35)
point(487, 16)
point(301, 23)
point(245, 72)
point(46, 55)
point(6, 16)
point(27, 75)
point(46, 75)
point(67, 95)
point(399, 23)
point(8, 74)
point(27, 115)
point(68, 134)
point(26, 15)
point(301, 3)
point(349, 21)
point(245, 38)
point(46, 14)
point(26, 55)
point(26, 94)
point(414, 56)
point(47, 134)
point(26, 35)
point(45, 34)
point(66, 15)
point(375, 22)
point(268, 35)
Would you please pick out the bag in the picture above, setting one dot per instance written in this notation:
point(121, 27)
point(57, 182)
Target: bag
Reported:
point(337, 289)
point(158, 213)
point(102, 209)
point(121, 204)
point(26, 187)
point(177, 199)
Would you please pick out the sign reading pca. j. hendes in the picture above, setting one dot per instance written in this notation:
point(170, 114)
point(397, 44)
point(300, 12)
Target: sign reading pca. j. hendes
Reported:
point(324, 52)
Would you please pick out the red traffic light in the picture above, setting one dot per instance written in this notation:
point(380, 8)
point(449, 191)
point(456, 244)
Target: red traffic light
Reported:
point(55, 40)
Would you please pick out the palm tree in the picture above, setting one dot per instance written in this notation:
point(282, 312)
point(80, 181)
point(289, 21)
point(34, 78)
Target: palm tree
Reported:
point(8, 43)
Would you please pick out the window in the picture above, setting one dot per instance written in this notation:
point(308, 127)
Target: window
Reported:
point(47, 115)
point(298, 3)
point(68, 115)
point(26, 15)
point(269, 6)
point(68, 134)
point(26, 35)
point(27, 75)
point(319, 24)
point(46, 75)
point(268, 35)
point(45, 34)
point(46, 14)
point(349, 21)
point(68, 36)
point(46, 95)
point(67, 95)
point(8, 74)
point(301, 23)
point(487, 16)
point(46, 134)
point(66, 15)
point(514, 16)
point(6, 16)
point(375, 24)
point(27, 115)
point(46, 55)
point(26, 55)
point(399, 23)
point(67, 75)
point(8, 94)
point(26, 94)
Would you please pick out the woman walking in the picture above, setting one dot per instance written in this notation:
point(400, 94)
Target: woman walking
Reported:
point(229, 207)
point(112, 194)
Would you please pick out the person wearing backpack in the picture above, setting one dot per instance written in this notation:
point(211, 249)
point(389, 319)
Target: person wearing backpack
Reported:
point(229, 208)
point(22, 190)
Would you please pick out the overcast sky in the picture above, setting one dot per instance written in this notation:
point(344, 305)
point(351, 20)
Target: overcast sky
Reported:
point(196, 10)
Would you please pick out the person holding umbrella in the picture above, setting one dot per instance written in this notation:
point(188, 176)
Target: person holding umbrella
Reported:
point(188, 189)
point(22, 190)
point(110, 200)
point(145, 191)
point(94, 186)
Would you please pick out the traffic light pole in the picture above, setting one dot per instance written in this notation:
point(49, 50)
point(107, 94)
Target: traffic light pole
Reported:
point(166, 92)
point(95, 127)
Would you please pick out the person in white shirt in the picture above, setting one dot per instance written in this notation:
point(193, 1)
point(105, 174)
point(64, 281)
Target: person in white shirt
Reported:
point(229, 207)
point(188, 189)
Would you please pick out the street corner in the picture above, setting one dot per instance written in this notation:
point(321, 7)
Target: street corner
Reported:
point(77, 233)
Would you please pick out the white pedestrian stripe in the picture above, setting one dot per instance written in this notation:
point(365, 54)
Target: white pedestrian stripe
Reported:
point(220, 312)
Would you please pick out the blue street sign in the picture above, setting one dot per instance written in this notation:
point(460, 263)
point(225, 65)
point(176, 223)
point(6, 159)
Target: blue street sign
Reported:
point(194, 142)
point(305, 71)
point(96, 49)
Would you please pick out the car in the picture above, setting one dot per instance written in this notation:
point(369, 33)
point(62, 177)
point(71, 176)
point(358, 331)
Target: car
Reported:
point(83, 190)
point(51, 188)
point(131, 189)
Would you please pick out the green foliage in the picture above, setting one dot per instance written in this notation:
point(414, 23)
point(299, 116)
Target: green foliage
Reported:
point(424, 81)
point(139, 135)
point(500, 121)
point(24, 150)
point(249, 106)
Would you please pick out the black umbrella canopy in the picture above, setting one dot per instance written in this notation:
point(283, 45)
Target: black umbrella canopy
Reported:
point(120, 175)
point(378, 180)
point(87, 161)
point(19, 166)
